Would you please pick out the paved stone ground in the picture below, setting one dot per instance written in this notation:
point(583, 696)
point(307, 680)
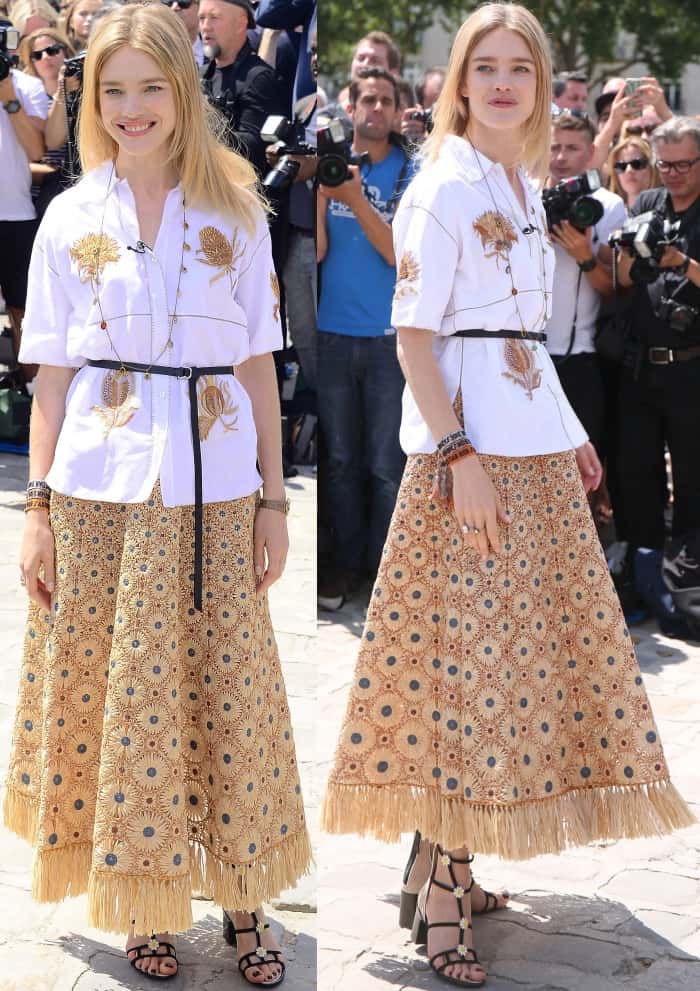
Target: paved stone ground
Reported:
point(611, 916)
point(49, 947)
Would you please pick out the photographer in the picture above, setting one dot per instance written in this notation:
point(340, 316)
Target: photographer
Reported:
point(659, 400)
point(23, 108)
point(570, 91)
point(416, 121)
point(583, 275)
point(361, 383)
point(250, 89)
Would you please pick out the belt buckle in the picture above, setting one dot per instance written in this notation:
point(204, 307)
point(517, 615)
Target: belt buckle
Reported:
point(661, 361)
point(188, 370)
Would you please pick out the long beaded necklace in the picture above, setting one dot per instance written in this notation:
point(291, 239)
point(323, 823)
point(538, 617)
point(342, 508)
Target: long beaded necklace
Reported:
point(96, 281)
point(499, 221)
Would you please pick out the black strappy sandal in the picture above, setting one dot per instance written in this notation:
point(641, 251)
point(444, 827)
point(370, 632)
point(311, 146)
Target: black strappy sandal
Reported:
point(412, 885)
point(460, 954)
point(257, 957)
point(153, 946)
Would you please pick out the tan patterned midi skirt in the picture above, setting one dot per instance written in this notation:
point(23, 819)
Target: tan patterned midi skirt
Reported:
point(153, 754)
point(498, 704)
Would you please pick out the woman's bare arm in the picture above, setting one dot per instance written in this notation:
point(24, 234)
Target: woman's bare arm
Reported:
point(258, 378)
point(48, 411)
point(418, 364)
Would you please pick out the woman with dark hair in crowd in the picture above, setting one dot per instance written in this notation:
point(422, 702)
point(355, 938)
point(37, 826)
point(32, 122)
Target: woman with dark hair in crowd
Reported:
point(632, 169)
point(497, 703)
point(153, 754)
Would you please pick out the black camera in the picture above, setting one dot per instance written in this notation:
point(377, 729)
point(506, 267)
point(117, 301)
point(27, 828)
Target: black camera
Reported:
point(679, 316)
point(425, 117)
point(74, 66)
point(290, 136)
point(570, 200)
point(645, 238)
point(9, 39)
point(335, 155)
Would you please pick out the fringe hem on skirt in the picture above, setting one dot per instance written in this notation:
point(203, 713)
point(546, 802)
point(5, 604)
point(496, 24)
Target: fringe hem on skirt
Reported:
point(156, 904)
point(513, 832)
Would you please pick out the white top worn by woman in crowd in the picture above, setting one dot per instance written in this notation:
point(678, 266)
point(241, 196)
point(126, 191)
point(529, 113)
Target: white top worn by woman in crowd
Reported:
point(162, 761)
point(497, 703)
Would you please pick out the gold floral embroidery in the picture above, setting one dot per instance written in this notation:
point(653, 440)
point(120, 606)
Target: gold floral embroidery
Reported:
point(274, 282)
point(408, 272)
point(520, 360)
point(219, 253)
point(119, 401)
point(92, 252)
point(214, 404)
point(497, 233)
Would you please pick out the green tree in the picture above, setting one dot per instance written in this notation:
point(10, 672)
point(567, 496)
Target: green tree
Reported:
point(585, 34)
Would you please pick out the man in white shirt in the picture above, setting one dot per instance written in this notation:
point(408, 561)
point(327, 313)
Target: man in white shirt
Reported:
point(24, 106)
point(582, 278)
point(188, 12)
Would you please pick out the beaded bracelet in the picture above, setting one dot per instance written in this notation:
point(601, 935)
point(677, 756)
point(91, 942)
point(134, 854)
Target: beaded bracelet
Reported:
point(450, 438)
point(35, 502)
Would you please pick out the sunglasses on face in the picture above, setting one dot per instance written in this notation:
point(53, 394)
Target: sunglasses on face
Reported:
point(638, 129)
point(682, 167)
point(182, 4)
point(636, 163)
point(49, 50)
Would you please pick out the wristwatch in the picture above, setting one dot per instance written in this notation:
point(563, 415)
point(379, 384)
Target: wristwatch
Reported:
point(280, 505)
point(12, 106)
point(588, 265)
point(682, 269)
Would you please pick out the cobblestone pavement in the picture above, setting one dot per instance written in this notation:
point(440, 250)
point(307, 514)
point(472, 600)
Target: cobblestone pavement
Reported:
point(49, 947)
point(610, 916)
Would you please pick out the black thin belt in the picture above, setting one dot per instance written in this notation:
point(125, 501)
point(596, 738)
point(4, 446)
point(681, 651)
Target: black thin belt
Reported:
point(528, 335)
point(191, 375)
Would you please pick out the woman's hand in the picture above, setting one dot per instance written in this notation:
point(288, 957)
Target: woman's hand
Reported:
point(477, 504)
point(37, 557)
point(589, 466)
point(270, 546)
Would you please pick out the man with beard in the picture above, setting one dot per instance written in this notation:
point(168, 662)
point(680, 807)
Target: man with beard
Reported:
point(360, 382)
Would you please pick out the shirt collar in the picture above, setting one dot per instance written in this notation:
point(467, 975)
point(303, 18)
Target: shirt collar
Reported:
point(472, 164)
point(96, 183)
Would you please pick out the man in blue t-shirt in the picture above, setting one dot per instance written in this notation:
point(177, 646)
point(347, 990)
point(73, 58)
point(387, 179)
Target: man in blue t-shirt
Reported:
point(360, 381)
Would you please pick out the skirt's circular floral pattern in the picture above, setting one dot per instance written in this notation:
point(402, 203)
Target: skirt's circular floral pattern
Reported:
point(500, 681)
point(137, 715)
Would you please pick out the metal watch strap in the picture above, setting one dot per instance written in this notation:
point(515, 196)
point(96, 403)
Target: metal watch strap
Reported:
point(280, 505)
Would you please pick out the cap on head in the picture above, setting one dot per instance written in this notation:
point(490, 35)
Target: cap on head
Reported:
point(248, 9)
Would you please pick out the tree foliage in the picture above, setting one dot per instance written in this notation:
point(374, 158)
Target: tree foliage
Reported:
point(585, 34)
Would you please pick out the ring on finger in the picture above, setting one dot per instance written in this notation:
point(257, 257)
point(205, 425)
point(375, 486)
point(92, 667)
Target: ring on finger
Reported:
point(466, 528)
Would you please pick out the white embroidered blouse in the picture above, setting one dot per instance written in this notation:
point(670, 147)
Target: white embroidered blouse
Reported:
point(454, 249)
point(121, 433)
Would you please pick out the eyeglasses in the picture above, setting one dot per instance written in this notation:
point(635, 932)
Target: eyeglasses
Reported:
point(575, 112)
point(682, 167)
point(182, 4)
point(635, 163)
point(49, 50)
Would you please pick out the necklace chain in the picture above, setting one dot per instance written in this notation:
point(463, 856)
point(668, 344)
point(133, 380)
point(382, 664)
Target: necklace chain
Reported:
point(96, 281)
point(509, 268)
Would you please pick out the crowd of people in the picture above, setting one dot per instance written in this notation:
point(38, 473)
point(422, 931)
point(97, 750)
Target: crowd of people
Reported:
point(624, 360)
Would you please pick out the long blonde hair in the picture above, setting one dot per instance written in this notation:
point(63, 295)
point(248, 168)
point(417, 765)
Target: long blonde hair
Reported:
point(211, 174)
point(451, 113)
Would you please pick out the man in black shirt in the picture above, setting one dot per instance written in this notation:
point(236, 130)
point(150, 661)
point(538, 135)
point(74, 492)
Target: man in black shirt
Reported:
point(659, 398)
point(256, 91)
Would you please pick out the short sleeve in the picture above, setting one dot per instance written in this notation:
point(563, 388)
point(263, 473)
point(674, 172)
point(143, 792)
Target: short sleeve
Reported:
point(427, 248)
point(258, 292)
point(34, 98)
point(48, 308)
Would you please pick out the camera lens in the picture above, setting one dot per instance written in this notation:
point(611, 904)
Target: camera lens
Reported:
point(585, 212)
point(332, 170)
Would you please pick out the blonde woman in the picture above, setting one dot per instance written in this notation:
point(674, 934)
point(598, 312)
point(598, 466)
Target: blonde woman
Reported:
point(497, 703)
point(42, 54)
point(153, 754)
point(632, 169)
point(28, 15)
point(77, 21)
